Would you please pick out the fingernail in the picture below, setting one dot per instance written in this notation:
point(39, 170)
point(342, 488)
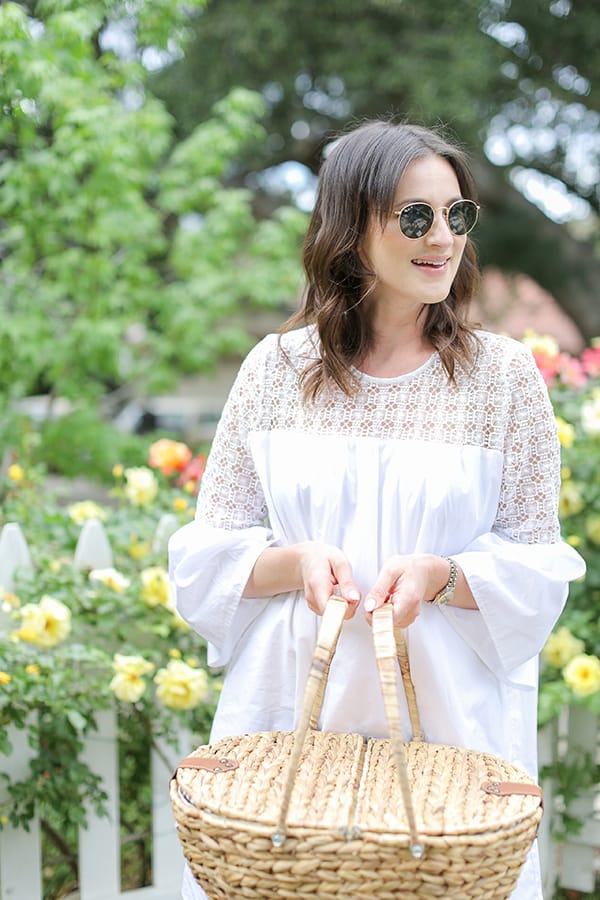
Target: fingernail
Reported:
point(370, 604)
point(353, 595)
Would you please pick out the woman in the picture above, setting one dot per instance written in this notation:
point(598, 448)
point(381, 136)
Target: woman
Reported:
point(388, 451)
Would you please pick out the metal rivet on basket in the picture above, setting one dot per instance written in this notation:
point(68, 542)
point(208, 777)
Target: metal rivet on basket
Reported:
point(417, 850)
point(278, 839)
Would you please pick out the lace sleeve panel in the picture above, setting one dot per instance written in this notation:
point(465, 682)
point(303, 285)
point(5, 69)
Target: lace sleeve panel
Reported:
point(231, 495)
point(528, 506)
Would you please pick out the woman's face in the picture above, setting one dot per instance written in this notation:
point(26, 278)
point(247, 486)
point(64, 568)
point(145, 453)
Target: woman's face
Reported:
point(409, 271)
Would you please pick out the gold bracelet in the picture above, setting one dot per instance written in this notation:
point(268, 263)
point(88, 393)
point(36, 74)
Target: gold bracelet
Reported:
point(447, 592)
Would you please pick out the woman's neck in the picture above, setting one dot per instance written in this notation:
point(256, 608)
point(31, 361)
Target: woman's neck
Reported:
point(398, 346)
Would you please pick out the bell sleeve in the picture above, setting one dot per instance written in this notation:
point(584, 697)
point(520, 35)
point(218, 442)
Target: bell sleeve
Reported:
point(520, 570)
point(211, 558)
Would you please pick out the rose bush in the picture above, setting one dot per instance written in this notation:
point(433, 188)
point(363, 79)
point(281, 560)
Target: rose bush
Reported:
point(75, 639)
point(571, 658)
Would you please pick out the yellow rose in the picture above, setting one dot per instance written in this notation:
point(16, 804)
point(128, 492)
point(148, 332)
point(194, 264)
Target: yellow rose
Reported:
point(131, 665)
point(592, 529)
point(561, 647)
point(111, 578)
point(127, 683)
point(141, 486)
point(5, 678)
point(117, 470)
point(155, 587)
point(539, 343)
point(138, 549)
point(582, 674)
point(180, 504)
point(180, 686)
point(566, 432)
point(32, 669)
point(85, 509)
point(46, 623)
point(127, 687)
point(570, 501)
point(16, 473)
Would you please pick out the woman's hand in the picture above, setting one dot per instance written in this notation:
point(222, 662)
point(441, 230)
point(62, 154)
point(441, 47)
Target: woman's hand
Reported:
point(319, 570)
point(325, 570)
point(406, 582)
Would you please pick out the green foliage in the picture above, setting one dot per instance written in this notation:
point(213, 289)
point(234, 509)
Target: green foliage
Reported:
point(571, 779)
point(109, 637)
point(570, 674)
point(125, 256)
point(83, 444)
point(575, 390)
point(323, 64)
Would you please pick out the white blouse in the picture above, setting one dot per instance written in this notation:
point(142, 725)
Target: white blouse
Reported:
point(412, 464)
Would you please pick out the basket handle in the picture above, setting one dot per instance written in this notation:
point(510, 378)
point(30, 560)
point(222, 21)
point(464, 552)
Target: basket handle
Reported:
point(389, 642)
point(327, 638)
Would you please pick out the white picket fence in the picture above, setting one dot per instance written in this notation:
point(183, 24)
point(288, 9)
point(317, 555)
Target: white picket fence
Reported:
point(570, 864)
point(99, 848)
point(574, 863)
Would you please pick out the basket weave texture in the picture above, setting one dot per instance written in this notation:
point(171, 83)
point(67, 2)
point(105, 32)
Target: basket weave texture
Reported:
point(311, 814)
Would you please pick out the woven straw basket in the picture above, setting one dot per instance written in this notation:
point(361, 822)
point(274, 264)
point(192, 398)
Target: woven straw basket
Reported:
point(311, 814)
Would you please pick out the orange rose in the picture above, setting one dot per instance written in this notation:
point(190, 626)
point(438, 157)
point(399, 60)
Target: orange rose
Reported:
point(169, 456)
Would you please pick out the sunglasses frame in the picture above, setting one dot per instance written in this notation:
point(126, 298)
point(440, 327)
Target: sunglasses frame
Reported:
point(445, 210)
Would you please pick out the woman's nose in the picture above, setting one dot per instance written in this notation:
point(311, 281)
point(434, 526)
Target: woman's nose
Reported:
point(440, 233)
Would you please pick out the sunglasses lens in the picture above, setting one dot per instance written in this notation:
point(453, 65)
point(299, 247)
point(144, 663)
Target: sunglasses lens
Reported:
point(462, 216)
point(416, 219)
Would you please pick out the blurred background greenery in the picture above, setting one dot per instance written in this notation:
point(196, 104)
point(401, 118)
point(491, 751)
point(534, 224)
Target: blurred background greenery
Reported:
point(157, 164)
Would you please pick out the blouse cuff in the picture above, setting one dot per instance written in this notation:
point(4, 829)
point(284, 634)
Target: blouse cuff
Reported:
point(521, 590)
point(209, 569)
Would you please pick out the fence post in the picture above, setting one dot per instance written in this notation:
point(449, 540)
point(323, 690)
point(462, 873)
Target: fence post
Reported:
point(20, 850)
point(547, 754)
point(99, 843)
point(167, 525)
point(577, 870)
point(93, 549)
point(167, 855)
point(14, 555)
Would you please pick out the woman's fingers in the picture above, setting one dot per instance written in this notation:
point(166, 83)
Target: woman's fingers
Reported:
point(401, 583)
point(326, 571)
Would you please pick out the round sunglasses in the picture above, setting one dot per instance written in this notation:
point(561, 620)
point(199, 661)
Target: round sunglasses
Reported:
point(416, 219)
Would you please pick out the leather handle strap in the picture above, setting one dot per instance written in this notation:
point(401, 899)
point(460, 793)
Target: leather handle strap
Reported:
point(506, 788)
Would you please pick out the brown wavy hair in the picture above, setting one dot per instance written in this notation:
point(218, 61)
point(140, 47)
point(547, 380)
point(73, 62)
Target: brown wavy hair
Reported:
point(359, 179)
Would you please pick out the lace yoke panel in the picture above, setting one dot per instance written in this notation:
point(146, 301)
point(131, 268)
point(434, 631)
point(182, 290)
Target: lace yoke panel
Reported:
point(502, 405)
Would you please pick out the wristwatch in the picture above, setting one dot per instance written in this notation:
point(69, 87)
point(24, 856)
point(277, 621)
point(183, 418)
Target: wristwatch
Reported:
point(447, 592)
